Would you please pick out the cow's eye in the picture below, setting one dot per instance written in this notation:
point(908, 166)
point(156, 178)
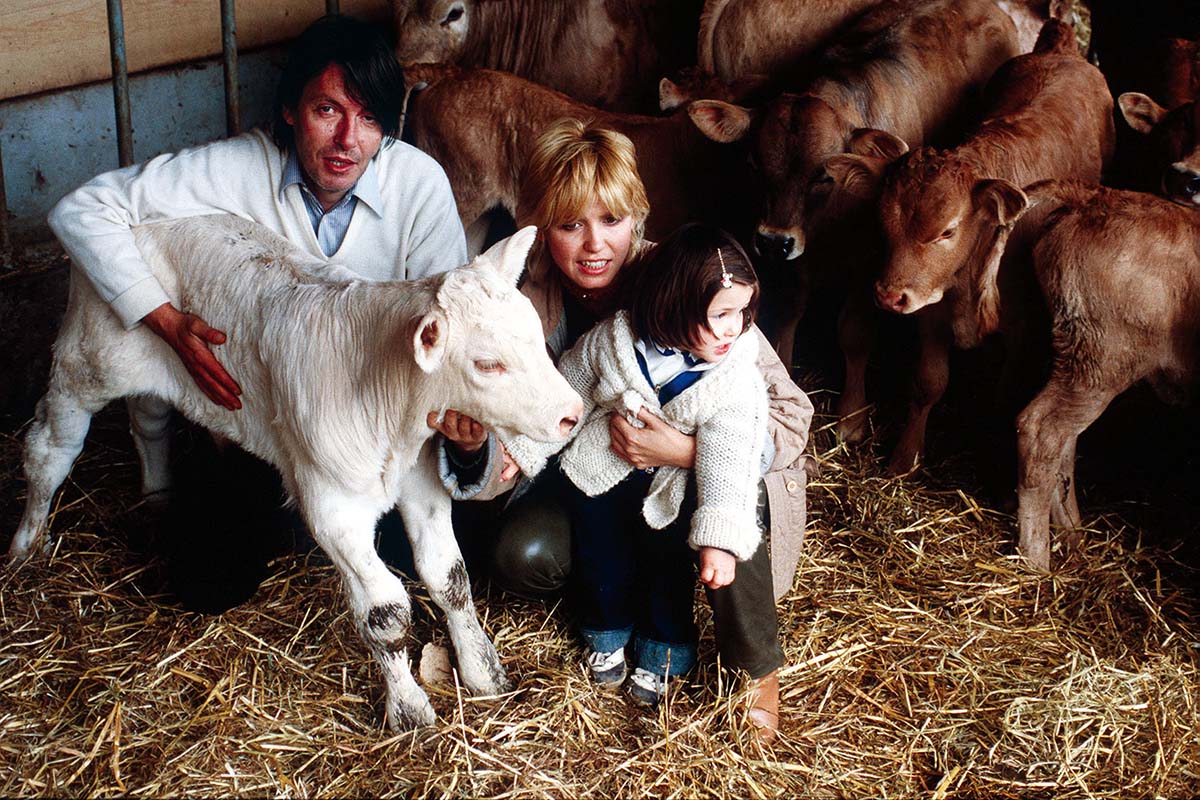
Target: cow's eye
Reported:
point(454, 15)
point(946, 234)
point(489, 367)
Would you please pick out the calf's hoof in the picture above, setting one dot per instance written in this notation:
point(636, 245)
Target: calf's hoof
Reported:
point(852, 429)
point(409, 716)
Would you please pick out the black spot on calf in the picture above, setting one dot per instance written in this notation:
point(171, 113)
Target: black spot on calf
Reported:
point(388, 616)
point(458, 586)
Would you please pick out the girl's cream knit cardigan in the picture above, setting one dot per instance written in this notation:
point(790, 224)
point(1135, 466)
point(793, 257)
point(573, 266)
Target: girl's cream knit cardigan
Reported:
point(726, 411)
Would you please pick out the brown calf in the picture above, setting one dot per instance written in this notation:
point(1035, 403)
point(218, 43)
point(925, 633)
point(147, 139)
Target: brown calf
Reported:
point(481, 126)
point(956, 254)
point(605, 53)
point(1121, 275)
point(904, 66)
point(1171, 166)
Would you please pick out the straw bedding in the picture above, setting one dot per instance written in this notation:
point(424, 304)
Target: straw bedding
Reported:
point(922, 661)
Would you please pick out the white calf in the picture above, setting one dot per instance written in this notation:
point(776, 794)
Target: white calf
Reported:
point(338, 376)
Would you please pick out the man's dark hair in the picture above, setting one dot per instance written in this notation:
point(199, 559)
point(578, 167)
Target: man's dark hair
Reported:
point(679, 279)
point(373, 76)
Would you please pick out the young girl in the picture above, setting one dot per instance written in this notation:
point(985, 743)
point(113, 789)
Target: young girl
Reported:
point(678, 352)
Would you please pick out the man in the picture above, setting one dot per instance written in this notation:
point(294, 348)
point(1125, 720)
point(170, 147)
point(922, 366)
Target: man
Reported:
point(335, 180)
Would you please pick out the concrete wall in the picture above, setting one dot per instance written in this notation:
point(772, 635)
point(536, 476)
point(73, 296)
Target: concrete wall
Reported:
point(53, 142)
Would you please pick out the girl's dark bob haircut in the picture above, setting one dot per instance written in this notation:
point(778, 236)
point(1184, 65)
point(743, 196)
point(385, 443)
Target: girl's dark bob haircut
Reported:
point(678, 281)
point(373, 76)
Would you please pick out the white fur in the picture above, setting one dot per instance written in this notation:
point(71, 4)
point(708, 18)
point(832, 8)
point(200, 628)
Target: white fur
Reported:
point(338, 375)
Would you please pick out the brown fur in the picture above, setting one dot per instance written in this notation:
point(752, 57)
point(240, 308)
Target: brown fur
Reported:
point(1049, 116)
point(481, 126)
point(1171, 157)
point(741, 38)
point(1121, 275)
point(606, 53)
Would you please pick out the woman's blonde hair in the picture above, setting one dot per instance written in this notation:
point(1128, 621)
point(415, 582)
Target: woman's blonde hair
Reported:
point(574, 161)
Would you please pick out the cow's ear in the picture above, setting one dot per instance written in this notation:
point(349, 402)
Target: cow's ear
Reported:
point(877, 144)
point(1140, 111)
point(722, 122)
point(507, 256)
point(859, 173)
point(429, 341)
point(1007, 200)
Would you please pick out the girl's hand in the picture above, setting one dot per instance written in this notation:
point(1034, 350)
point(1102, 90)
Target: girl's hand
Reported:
point(656, 445)
point(717, 567)
point(466, 434)
point(508, 467)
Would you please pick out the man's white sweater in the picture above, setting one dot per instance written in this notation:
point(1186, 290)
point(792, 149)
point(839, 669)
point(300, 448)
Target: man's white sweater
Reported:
point(726, 410)
point(416, 231)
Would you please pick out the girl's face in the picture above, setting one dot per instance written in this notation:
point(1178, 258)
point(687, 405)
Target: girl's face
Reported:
point(726, 315)
point(591, 249)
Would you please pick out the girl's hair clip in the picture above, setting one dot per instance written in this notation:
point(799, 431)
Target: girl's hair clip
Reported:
point(726, 278)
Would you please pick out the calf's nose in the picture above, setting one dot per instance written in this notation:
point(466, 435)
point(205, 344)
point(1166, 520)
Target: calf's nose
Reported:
point(567, 424)
point(774, 245)
point(891, 301)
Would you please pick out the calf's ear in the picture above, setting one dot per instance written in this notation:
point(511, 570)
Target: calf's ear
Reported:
point(1140, 111)
point(719, 121)
point(860, 173)
point(877, 144)
point(1008, 202)
point(670, 95)
point(507, 256)
point(429, 341)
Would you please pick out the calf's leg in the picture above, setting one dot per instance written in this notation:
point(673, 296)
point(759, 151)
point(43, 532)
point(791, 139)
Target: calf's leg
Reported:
point(53, 443)
point(344, 527)
point(855, 332)
point(425, 508)
point(150, 424)
point(933, 375)
point(1046, 432)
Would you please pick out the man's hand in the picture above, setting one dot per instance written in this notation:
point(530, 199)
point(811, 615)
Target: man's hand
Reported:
point(190, 337)
point(717, 567)
point(656, 445)
point(464, 433)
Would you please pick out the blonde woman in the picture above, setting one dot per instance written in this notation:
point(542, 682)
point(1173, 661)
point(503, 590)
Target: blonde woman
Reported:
point(582, 190)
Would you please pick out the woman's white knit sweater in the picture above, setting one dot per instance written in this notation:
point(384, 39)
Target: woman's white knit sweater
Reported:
point(726, 410)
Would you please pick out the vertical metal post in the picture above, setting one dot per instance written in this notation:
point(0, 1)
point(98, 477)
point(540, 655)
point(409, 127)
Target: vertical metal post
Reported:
point(6, 253)
point(331, 7)
point(120, 70)
point(233, 116)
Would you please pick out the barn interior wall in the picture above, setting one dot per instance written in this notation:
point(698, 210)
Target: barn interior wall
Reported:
point(53, 142)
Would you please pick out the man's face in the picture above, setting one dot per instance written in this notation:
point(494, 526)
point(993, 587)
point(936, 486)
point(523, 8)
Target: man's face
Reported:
point(336, 137)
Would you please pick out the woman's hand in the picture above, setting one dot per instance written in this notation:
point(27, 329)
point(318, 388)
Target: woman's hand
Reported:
point(656, 445)
point(464, 433)
point(717, 567)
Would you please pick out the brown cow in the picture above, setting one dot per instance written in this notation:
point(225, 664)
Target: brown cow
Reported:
point(606, 53)
point(905, 66)
point(956, 254)
point(1121, 274)
point(740, 39)
point(481, 124)
point(1173, 143)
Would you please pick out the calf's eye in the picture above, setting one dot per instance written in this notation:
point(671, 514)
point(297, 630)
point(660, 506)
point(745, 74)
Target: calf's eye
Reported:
point(454, 15)
point(489, 367)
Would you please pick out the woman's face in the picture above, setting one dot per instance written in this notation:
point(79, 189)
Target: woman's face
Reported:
point(591, 249)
